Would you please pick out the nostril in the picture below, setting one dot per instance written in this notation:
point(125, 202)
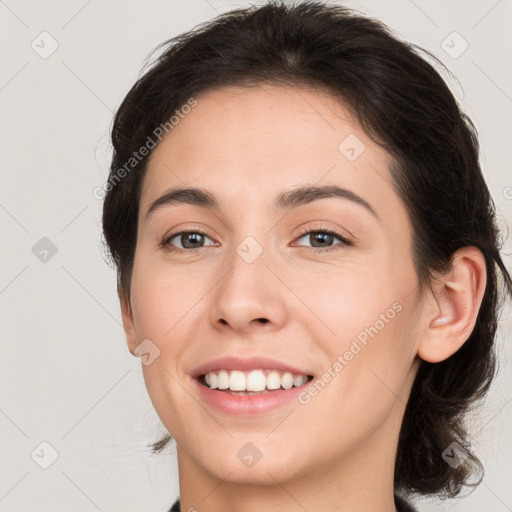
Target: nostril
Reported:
point(262, 320)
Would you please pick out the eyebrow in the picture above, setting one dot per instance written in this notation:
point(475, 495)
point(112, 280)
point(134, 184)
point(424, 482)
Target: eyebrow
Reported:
point(285, 200)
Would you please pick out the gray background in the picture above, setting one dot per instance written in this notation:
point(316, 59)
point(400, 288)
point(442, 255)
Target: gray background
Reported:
point(66, 376)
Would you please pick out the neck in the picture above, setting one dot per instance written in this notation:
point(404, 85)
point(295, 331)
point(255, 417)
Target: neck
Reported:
point(362, 481)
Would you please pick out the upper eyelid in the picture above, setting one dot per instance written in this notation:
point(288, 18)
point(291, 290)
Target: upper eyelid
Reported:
point(300, 233)
point(320, 229)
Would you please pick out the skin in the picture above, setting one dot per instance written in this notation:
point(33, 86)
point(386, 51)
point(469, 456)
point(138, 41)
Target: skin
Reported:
point(336, 452)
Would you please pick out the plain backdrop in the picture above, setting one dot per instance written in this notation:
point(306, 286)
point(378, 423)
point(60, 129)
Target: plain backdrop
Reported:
point(72, 398)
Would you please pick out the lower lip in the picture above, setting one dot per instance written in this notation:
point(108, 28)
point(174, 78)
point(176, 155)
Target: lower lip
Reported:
point(248, 405)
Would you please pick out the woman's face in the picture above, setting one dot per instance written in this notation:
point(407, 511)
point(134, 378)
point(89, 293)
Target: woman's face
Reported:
point(339, 304)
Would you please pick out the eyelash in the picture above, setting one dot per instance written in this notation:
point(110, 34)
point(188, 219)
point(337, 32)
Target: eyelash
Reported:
point(344, 241)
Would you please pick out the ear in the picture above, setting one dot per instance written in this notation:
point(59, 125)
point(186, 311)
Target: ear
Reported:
point(128, 323)
point(452, 308)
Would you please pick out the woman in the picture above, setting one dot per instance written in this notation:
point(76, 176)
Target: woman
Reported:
point(308, 262)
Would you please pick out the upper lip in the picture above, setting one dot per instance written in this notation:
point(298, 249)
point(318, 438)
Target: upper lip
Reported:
point(247, 363)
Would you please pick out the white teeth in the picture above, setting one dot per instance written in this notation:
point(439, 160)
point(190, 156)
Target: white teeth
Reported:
point(254, 381)
point(237, 381)
point(298, 381)
point(273, 380)
point(223, 380)
point(287, 380)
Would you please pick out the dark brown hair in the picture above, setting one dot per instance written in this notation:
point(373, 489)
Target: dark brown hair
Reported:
point(404, 105)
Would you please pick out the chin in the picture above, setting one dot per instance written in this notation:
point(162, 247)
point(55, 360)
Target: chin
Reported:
point(249, 463)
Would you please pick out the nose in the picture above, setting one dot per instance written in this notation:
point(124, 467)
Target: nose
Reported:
point(249, 298)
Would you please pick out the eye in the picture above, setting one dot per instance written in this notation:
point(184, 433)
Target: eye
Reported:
point(321, 237)
point(189, 241)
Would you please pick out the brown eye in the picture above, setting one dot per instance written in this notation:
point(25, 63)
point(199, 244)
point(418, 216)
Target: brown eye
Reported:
point(186, 240)
point(320, 237)
point(323, 239)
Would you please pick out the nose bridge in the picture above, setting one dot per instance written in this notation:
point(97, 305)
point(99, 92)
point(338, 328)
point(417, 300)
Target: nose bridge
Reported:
point(251, 234)
point(247, 291)
point(251, 248)
point(248, 271)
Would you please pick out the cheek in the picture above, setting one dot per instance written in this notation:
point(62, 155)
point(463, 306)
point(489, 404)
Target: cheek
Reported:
point(163, 301)
point(372, 346)
point(377, 356)
point(350, 301)
point(364, 383)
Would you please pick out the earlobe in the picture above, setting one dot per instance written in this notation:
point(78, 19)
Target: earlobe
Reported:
point(128, 322)
point(453, 307)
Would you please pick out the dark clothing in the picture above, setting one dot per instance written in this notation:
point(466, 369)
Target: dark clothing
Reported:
point(401, 506)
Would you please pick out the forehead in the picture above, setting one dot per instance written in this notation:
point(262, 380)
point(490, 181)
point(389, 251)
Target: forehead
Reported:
point(246, 143)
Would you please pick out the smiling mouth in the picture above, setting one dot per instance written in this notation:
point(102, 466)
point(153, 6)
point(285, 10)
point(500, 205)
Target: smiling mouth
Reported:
point(254, 382)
